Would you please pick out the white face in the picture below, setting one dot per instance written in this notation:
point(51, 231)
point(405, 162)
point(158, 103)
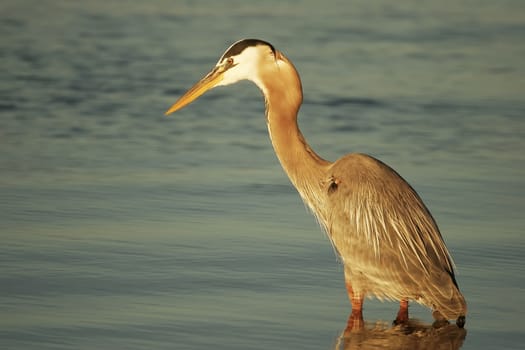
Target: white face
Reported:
point(248, 59)
point(246, 65)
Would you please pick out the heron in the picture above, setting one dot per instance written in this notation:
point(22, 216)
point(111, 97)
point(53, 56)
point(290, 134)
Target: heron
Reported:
point(385, 237)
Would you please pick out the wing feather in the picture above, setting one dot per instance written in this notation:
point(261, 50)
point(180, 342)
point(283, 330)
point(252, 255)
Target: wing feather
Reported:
point(384, 232)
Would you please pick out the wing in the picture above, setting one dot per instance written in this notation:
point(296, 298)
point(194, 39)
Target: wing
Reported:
point(383, 232)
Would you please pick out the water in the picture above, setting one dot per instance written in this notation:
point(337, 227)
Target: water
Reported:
point(123, 229)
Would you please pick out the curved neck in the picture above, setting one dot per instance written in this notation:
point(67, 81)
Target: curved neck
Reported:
point(296, 157)
point(283, 94)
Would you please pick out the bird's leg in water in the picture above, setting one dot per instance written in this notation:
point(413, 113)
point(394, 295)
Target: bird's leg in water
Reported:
point(402, 314)
point(355, 321)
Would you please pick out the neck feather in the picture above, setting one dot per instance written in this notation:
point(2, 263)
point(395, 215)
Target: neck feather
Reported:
point(283, 95)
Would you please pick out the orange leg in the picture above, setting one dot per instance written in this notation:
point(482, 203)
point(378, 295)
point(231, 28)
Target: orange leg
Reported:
point(355, 321)
point(402, 314)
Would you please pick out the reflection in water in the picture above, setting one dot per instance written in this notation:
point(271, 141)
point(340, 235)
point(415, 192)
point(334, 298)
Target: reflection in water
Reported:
point(416, 335)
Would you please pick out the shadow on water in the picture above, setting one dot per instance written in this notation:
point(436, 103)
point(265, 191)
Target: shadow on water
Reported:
point(416, 335)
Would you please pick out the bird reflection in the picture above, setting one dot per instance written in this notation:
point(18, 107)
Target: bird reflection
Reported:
point(414, 335)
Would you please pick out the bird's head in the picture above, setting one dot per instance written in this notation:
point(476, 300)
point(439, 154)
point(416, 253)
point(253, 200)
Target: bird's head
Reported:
point(247, 59)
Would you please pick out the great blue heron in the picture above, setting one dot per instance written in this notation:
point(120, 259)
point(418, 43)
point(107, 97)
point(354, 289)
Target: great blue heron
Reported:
point(385, 236)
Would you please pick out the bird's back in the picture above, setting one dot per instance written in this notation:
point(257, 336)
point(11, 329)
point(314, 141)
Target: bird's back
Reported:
point(386, 237)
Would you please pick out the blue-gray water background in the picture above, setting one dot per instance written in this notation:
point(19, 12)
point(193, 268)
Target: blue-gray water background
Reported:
point(123, 229)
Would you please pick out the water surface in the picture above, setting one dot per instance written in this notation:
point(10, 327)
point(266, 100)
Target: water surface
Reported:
point(123, 229)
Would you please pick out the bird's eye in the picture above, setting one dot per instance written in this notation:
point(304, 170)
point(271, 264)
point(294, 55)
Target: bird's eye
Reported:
point(229, 62)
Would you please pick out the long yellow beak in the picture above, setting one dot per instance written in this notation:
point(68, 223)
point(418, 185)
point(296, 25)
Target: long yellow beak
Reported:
point(208, 82)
